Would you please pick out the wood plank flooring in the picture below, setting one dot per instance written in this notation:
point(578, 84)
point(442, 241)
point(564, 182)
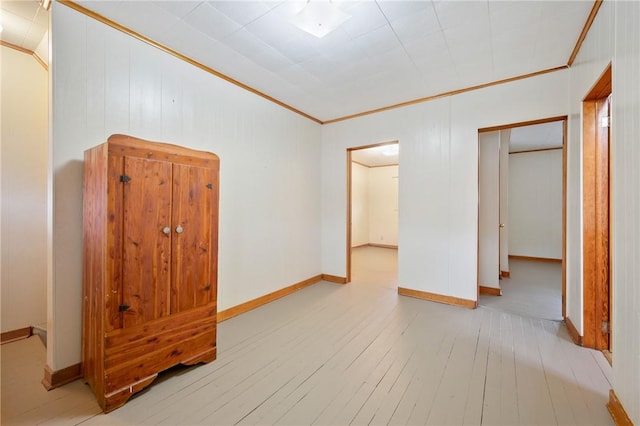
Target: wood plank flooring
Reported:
point(335, 354)
point(534, 289)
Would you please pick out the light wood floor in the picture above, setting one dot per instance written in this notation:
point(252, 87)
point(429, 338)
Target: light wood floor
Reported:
point(336, 354)
point(534, 289)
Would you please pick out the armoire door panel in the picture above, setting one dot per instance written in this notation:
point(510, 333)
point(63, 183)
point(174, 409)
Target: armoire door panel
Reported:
point(193, 198)
point(113, 284)
point(146, 248)
point(213, 255)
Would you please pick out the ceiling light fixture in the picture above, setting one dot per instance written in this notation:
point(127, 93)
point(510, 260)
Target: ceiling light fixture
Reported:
point(388, 150)
point(319, 18)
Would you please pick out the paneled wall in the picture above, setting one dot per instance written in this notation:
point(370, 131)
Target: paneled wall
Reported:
point(24, 153)
point(106, 82)
point(438, 192)
point(626, 207)
point(593, 59)
point(535, 204)
point(614, 38)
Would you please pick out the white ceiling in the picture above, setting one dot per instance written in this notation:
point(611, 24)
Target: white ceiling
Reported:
point(24, 23)
point(387, 52)
point(376, 156)
point(538, 136)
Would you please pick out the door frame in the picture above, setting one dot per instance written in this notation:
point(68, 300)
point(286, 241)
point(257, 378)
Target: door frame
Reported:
point(349, 181)
point(596, 243)
point(564, 119)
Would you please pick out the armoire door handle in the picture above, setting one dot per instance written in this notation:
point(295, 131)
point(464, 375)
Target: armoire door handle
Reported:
point(166, 230)
point(179, 229)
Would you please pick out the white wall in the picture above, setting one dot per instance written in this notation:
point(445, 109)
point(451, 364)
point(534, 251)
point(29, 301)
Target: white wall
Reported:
point(626, 207)
point(359, 205)
point(438, 190)
point(614, 37)
point(374, 209)
point(383, 205)
point(106, 82)
point(24, 184)
point(42, 50)
point(592, 60)
point(535, 204)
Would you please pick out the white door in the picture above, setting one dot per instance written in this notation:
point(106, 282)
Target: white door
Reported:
point(505, 136)
point(489, 209)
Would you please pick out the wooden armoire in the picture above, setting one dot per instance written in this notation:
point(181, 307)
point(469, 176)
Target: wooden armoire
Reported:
point(150, 242)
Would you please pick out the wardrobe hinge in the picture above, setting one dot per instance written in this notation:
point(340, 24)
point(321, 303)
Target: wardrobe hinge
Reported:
point(124, 178)
point(605, 327)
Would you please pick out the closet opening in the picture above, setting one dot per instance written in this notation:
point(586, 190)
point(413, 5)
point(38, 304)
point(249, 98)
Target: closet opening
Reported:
point(521, 218)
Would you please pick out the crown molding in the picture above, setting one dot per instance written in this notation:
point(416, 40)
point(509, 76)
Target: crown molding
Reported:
point(166, 49)
point(134, 34)
point(27, 51)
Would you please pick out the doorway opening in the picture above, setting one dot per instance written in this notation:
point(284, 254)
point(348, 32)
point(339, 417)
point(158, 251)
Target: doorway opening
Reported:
point(372, 213)
point(521, 218)
point(596, 226)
